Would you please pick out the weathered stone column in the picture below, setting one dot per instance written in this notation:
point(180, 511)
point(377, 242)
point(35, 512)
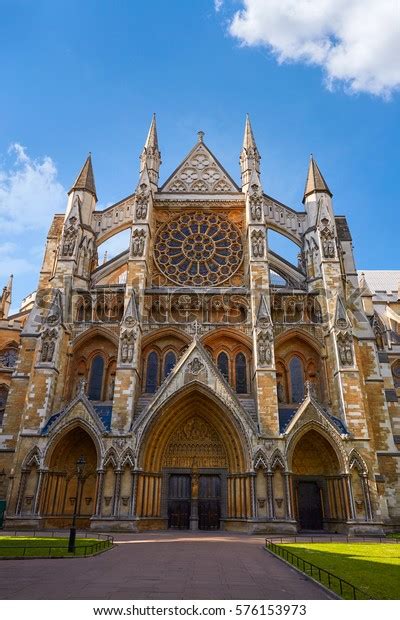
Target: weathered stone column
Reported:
point(117, 492)
point(288, 496)
point(100, 486)
point(270, 494)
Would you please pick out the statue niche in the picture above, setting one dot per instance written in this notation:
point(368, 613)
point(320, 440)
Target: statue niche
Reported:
point(195, 442)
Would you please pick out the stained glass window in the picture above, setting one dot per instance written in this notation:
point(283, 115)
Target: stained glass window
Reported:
point(241, 373)
point(152, 373)
point(96, 378)
point(223, 365)
point(198, 249)
point(3, 400)
point(169, 363)
point(296, 379)
point(8, 357)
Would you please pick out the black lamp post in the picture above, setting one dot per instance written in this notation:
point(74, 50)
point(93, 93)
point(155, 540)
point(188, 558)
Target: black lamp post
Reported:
point(80, 466)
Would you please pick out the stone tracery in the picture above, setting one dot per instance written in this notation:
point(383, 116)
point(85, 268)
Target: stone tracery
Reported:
point(198, 249)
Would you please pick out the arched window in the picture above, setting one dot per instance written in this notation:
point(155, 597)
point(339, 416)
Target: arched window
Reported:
point(241, 373)
point(296, 379)
point(223, 365)
point(152, 373)
point(8, 357)
point(396, 374)
point(3, 401)
point(96, 378)
point(169, 363)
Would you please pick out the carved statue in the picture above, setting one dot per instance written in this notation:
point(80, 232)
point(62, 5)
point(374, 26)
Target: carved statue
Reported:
point(49, 337)
point(264, 347)
point(195, 366)
point(256, 203)
point(69, 237)
point(328, 243)
point(138, 242)
point(345, 349)
point(128, 345)
point(142, 202)
point(257, 243)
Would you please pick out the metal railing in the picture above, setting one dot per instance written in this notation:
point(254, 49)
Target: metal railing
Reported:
point(104, 541)
point(334, 538)
point(340, 586)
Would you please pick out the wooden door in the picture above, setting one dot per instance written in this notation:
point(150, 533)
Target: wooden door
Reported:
point(310, 506)
point(209, 502)
point(179, 493)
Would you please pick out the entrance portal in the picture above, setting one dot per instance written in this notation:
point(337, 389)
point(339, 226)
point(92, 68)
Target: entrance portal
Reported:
point(309, 505)
point(179, 495)
point(209, 502)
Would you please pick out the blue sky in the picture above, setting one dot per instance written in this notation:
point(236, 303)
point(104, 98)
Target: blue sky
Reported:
point(86, 76)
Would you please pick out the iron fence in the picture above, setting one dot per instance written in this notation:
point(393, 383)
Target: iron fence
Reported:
point(338, 585)
point(104, 541)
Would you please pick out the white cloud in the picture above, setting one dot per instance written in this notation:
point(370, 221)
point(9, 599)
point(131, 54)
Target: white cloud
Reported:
point(218, 5)
point(356, 42)
point(10, 263)
point(29, 192)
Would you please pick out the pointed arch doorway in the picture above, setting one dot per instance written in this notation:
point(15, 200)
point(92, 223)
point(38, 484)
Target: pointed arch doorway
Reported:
point(195, 473)
point(320, 492)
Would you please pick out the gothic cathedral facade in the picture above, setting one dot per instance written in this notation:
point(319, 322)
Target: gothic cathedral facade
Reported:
point(207, 382)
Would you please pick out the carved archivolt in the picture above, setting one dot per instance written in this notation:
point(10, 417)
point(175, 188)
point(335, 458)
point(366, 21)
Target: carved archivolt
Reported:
point(197, 444)
point(198, 249)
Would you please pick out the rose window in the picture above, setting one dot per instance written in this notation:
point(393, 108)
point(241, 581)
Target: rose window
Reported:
point(198, 249)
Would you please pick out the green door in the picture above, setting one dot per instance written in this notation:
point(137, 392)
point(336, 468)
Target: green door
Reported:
point(2, 510)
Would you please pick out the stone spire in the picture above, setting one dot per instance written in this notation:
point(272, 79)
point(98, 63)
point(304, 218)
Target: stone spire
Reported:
point(5, 299)
point(315, 181)
point(150, 157)
point(249, 157)
point(85, 179)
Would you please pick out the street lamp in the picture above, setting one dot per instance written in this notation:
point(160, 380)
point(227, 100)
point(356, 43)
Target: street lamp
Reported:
point(80, 466)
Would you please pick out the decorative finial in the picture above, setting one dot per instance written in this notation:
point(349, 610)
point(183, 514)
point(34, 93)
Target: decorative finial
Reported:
point(200, 136)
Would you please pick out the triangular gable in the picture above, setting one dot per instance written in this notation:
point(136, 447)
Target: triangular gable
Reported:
point(195, 366)
point(311, 411)
point(200, 172)
point(80, 408)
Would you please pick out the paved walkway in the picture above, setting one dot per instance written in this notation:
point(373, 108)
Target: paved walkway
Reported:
point(162, 566)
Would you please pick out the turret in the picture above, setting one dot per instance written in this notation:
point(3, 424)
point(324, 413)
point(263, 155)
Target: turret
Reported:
point(85, 188)
point(5, 299)
point(249, 157)
point(150, 157)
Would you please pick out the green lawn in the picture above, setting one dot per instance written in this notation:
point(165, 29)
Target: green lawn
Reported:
point(45, 546)
point(372, 567)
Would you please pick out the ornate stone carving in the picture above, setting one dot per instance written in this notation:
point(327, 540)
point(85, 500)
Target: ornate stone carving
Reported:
point(258, 243)
point(264, 347)
point(200, 173)
point(345, 348)
point(70, 234)
point(328, 242)
point(142, 202)
point(196, 442)
point(195, 366)
point(198, 249)
point(138, 242)
point(256, 203)
point(49, 338)
point(128, 340)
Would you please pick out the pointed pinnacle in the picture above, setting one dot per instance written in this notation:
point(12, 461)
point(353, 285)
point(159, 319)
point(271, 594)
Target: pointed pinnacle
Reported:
point(315, 181)
point(248, 138)
point(152, 139)
point(85, 179)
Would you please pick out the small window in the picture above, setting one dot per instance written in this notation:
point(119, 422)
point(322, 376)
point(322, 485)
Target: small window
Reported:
point(296, 379)
point(241, 373)
point(169, 363)
point(396, 374)
point(152, 373)
point(96, 378)
point(223, 365)
point(8, 357)
point(3, 401)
